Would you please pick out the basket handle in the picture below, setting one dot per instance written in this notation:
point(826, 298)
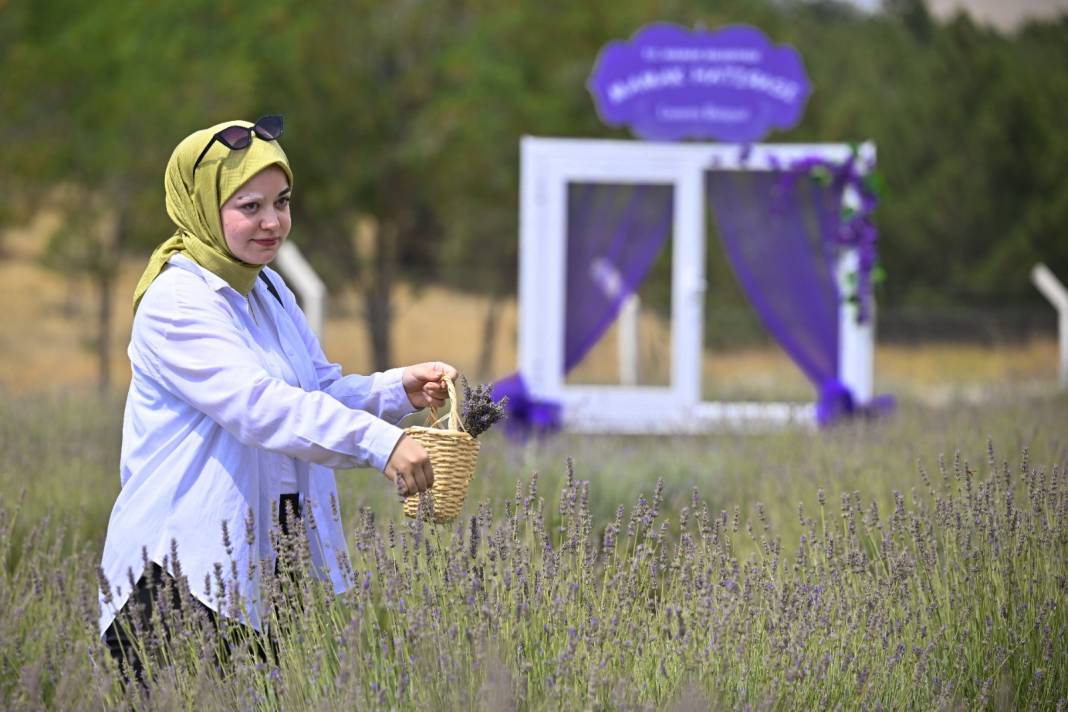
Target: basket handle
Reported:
point(455, 422)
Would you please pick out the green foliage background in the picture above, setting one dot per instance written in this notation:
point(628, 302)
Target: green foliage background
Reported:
point(411, 112)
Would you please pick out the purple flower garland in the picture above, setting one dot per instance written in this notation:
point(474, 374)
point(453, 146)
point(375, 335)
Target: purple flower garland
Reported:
point(855, 227)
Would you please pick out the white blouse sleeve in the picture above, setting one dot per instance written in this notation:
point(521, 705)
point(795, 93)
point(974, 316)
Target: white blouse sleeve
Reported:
point(197, 353)
point(379, 393)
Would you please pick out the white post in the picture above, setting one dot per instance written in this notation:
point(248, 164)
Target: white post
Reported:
point(856, 341)
point(1054, 291)
point(628, 340)
point(306, 283)
point(688, 283)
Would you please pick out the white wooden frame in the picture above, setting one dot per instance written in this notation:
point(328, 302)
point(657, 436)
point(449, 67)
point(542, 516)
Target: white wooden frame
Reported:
point(300, 275)
point(547, 166)
point(1057, 295)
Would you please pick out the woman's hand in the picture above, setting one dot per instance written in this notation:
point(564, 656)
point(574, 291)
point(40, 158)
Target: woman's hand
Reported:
point(409, 467)
point(424, 385)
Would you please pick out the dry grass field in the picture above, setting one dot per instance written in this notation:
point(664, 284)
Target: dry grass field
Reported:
point(47, 331)
point(46, 335)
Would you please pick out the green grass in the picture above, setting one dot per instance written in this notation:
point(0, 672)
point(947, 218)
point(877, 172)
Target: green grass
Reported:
point(790, 570)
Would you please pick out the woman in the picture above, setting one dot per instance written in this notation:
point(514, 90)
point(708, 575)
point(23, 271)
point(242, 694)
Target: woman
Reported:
point(233, 410)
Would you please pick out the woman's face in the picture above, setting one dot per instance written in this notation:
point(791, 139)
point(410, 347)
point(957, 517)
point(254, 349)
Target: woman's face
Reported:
point(255, 219)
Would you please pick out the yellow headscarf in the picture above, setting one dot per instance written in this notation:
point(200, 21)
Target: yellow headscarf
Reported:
point(194, 201)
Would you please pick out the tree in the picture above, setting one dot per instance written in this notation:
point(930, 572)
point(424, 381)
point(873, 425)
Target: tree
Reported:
point(352, 78)
point(91, 118)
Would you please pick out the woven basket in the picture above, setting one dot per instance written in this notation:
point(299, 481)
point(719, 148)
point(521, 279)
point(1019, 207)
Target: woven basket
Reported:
point(453, 455)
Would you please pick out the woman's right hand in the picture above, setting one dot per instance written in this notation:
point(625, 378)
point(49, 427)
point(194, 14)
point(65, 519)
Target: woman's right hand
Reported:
point(409, 467)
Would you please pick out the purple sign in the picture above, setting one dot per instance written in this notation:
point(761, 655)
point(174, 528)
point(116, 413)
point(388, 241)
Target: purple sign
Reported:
point(670, 83)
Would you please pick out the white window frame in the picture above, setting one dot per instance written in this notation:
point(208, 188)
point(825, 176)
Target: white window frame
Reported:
point(548, 165)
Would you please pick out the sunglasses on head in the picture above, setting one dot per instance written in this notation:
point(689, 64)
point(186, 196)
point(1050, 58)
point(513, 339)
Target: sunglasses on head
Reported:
point(268, 128)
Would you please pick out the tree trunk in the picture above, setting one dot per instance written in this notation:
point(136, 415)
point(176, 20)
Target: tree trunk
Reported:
point(103, 332)
point(106, 269)
point(376, 247)
point(379, 314)
point(489, 337)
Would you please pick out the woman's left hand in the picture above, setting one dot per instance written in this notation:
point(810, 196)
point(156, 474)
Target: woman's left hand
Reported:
point(424, 385)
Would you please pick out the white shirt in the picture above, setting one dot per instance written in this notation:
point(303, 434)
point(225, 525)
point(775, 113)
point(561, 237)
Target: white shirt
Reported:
point(229, 396)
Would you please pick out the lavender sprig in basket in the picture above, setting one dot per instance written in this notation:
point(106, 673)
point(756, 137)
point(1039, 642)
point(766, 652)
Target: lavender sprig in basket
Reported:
point(479, 411)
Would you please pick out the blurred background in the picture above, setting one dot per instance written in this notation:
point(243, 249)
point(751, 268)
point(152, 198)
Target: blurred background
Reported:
point(403, 122)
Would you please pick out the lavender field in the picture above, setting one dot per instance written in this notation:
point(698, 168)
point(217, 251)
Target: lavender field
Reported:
point(917, 562)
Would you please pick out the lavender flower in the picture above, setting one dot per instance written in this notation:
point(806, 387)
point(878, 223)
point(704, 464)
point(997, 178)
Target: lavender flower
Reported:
point(479, 411)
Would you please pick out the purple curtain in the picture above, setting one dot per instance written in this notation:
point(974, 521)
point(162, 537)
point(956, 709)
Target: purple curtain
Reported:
point(778, 231)
point(614, 234)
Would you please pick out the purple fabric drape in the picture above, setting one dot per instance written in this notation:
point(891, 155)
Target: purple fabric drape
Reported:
point(525, 415)
point(614, 234)
point(778, 230)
